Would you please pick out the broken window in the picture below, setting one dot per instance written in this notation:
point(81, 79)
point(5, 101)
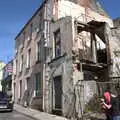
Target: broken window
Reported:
point(101, 51)
point(57, 38)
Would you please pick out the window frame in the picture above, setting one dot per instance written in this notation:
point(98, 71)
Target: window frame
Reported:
point(31, 30)
point(20, 89)
point(28, 60)
point(57, 42)
point(38, 86)
point(38, 52)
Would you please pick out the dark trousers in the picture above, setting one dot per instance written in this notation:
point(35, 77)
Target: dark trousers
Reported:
point(109, 117)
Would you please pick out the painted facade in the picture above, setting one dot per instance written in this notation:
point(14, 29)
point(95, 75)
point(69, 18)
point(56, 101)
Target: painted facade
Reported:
point(7, 77)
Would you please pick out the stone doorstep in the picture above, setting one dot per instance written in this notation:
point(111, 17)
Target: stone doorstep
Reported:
point(37, 114)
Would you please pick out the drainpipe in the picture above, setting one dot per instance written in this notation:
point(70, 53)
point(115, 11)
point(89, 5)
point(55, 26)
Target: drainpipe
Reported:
point(43, 88)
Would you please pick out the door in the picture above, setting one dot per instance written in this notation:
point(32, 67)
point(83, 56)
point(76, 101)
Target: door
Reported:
point(20, 89)
point(58, 92)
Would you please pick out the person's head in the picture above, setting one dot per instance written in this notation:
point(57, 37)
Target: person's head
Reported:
point(113, 93)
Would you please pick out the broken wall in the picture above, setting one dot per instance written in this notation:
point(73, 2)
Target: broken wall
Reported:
point(79, 12)
point(115, 50)
point(60, 66)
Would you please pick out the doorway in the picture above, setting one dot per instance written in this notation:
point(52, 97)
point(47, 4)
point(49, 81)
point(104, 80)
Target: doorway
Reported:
point(57, 95)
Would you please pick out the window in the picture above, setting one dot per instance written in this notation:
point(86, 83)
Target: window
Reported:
point(31, 30)
point(41, 23)
point(14, 90)
point(24, 36)
point(38, 84)
point(17, 44)
point(57, 38)
point(15, 62)
point(28, 58)
point(39, 51)
point(20, 89)
point(21, 63)
point(47, 52)
point(27, 85)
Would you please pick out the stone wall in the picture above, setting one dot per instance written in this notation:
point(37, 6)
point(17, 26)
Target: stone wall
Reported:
point(115, 51)
point(61, 66)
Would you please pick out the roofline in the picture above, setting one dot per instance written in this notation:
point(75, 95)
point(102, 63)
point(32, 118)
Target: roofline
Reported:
point(31, 19)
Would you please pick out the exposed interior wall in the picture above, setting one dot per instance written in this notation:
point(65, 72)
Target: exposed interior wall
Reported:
point(91, 49)
point(92, 4)
point(68, 8)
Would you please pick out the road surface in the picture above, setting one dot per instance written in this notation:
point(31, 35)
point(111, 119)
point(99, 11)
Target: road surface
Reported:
point(13, 116)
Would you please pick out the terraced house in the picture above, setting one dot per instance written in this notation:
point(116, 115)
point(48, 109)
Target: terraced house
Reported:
point(66, 42)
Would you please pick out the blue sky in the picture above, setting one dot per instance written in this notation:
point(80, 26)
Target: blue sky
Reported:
point(15, 13)
point(112, 7)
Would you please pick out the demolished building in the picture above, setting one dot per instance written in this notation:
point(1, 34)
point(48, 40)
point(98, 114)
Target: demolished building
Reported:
point(75, 51)
point(81, 46)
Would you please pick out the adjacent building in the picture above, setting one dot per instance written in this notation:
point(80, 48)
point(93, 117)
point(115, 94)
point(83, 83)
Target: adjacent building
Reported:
point(2, 64)
point(7, 77)
point(66, 43)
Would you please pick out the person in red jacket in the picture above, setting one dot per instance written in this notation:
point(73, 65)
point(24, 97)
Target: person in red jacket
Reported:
point(106, 105)
point(112, 106)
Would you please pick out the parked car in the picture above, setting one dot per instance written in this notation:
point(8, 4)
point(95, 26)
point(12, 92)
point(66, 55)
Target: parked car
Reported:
point(6, 103)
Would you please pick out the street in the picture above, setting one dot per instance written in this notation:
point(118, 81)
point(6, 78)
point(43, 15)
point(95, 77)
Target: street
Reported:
point(13, 116)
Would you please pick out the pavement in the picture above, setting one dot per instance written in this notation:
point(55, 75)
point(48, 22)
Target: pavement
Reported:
point(5, 115)
point(35, 114)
